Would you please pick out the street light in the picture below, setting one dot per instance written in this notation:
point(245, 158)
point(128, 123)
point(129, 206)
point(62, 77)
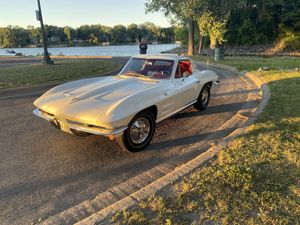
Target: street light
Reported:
point(39, 17)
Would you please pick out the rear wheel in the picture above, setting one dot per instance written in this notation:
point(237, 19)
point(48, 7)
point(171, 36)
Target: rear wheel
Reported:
point(203, 99)
point(139, 133)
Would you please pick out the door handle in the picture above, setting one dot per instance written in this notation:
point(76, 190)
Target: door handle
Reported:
point(167, 93)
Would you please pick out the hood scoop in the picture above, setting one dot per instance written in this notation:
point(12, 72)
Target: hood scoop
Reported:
point(74, 100)
point(95, 91)
point(68, 94)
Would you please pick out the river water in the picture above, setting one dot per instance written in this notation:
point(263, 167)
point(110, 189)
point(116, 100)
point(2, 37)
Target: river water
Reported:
point(118, 50)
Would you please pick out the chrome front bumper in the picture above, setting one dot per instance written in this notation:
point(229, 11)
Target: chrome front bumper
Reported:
point(79, 127)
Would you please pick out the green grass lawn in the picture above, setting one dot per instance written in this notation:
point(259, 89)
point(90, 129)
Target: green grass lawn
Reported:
point(62, 70)
point(254, 181)
point(254, 63)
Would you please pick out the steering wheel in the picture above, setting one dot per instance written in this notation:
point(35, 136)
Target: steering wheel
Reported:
point(164, 74)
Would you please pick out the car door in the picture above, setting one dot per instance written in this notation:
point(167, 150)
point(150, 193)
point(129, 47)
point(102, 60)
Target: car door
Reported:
point(185, 83)
point(168, 103)
point(168, 97)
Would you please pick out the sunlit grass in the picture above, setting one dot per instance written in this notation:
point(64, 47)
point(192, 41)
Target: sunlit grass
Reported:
point(34, 74)
point(253, 181)
point(254, 63)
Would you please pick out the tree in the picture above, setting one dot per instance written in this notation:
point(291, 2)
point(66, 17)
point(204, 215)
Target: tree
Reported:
point(154, 32)
point(213, 28)
point(14, 37)
point(107, 33)
point(185, 11)
point(133, 32)
point(93, 39)
point(34, 35)
point(119, 34)
point(7, 39)
point(87, 34)
point(181, 34)
point(68, 33)
point(83, 32)
point(167, 35)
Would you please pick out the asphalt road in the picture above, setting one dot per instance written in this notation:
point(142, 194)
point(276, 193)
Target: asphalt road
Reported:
point(44, 171)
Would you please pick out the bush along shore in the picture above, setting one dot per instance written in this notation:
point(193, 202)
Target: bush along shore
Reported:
point(255, 50)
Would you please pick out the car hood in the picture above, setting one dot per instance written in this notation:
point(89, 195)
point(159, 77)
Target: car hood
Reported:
point(88, 99)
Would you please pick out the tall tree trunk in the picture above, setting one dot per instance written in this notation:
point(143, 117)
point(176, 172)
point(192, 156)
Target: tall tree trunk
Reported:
point(200, 43)
point(213, 43)
point(191, 37)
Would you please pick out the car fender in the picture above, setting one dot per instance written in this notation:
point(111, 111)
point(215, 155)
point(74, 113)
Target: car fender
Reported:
point(123, 111)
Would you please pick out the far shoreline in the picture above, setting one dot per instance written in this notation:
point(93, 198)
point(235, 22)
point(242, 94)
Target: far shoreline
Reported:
point(82, 46)
point(99, 50)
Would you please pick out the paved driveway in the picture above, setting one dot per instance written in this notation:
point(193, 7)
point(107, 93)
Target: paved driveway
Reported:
point(44, 171)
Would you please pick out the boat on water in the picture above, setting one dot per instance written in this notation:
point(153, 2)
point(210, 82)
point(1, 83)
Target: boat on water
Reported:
point(107, 43)
point(11, 51)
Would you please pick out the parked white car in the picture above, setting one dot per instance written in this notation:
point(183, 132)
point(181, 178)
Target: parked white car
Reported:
point(127, 106)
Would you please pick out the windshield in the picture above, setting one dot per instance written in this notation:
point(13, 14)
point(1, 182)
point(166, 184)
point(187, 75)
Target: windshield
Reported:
point(152, 68)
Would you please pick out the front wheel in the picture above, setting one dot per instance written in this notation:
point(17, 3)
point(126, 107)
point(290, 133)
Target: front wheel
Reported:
point(139, 133)
point(203, 99)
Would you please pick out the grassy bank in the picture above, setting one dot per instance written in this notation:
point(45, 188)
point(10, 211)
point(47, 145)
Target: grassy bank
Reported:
point(34, 74)
point(254, 181)
point(254, 63)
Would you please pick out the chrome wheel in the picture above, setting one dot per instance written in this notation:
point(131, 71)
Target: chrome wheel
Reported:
point(140, 130)
point(203, 99)
point(205, 96)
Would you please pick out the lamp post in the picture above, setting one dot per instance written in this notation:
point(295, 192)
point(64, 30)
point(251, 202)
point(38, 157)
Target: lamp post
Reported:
point(39, 16)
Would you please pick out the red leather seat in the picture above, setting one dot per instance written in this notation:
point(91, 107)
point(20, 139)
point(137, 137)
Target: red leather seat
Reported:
point(187, 67)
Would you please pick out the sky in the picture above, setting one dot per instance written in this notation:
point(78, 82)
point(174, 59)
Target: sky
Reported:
point(78, 12)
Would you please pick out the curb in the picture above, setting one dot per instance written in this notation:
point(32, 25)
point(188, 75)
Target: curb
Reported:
point(188, 167)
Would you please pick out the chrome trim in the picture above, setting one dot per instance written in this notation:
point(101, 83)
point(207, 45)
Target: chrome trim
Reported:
point(90, 130)
point(139, 130)
point(96, 132)
point(40, 114)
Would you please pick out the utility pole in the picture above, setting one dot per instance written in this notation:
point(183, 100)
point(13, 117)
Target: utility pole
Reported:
point(39, 17)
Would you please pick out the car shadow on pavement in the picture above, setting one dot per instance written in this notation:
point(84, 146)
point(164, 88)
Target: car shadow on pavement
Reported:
point(237, 92)
point(188, 140)
point(233, 107)
point(210, 136)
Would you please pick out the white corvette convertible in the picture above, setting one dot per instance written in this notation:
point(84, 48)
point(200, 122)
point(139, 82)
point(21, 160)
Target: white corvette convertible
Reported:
point(127, 106)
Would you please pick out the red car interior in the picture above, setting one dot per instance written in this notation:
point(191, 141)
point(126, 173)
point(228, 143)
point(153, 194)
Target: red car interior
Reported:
point(159, 68)
point(184, 66)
